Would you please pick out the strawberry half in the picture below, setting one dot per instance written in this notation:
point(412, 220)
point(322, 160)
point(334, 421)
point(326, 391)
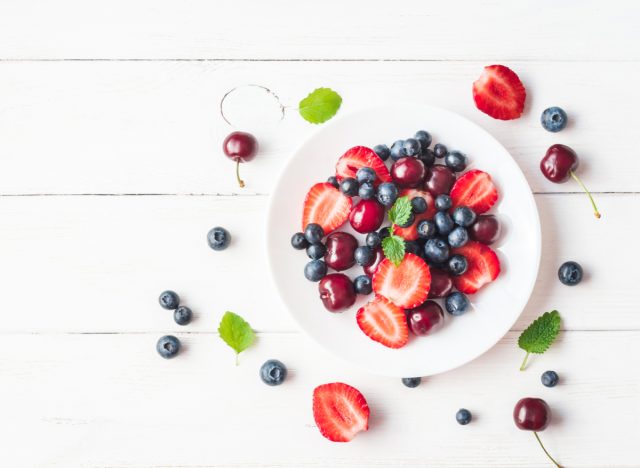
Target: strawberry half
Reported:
point(476, 190)
point(361, 156)
point(483, 267)
point(384, 322)
point(499, 93)
point(411, 232)
point(406, 285)
point(340, 411)
point(326, 206)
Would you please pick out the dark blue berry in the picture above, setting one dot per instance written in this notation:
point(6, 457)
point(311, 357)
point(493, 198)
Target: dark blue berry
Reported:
point(315, 270)
point(456, 303)
point(457, 264)
point(410, 220)
point(440, 150)
point(362, 285)
point(418, 205)
point(313, 233)
point(182, 315)
point(218, 238)
point(424, 138)
point(298, 241)
point(316, 251)
point(549, 378)
point(169, 300)
point(436, 250)
point(412, 147)
point(570, 273)
point(411, 382)
point(456, 161)
point(412, 247)
point(367, 191)
point(427, 229)
point(382, 151)
point(464, 216)
point(363, 255)
point(373, 240)
point(553, 119)
point(273, 372)
point(349, 186)
point(333, 180)
point(384, 232)
point(365, 174)
point(427, 156)
point(458, 237)
point(387, 194)
point(463, 416)
point(444, 222)
point(168, 346)
point(443, 202)
point(397, 150)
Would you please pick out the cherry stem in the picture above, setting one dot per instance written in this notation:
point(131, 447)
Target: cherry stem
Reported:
point(545, 450)
point(593, 203)
point(524, 362)
point(240, 181)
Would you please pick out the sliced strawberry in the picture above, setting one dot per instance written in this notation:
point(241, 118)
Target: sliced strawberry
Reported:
point(499, 93)
point(411, 232)
point(406, 285)
point(476, 190)
point(361, 156)
point(340, 411)
point(384, 322)
point(483, 267)
point(326, 206)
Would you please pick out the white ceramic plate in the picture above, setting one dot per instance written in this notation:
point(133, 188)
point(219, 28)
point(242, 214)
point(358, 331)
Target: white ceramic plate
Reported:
point(495, 308)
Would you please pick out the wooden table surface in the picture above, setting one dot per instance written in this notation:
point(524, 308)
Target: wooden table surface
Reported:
point(111, 175)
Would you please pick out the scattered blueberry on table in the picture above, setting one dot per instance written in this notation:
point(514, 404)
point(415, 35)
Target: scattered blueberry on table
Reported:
point(463, 416)
point(273, 372)
point(570, 273)
point(411, 382)
point(182, 315)
point(553, 119)
point(168, 346)
point(169, 300)
point(218, 238)
point(549, 378)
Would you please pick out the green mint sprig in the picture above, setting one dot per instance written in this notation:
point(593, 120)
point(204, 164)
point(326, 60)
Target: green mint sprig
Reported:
point(539, 335)
point(320, 105)
point(393, 246)
point(236, 332)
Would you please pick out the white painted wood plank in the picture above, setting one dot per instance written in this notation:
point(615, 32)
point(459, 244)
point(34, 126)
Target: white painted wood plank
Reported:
point(98, 263)
point(288, 29)
point(130, 127)
point(109, 400)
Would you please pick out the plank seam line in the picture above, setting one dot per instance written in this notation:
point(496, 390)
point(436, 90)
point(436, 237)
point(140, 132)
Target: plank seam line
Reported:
point(315, 59)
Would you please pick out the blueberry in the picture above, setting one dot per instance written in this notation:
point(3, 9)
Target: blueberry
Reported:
point(365, 174)
point(436, 250)
point(570, 273)
point(333, 180)
point(384, 232)
point(168, 346)
point(457, 264)
point(427, 229)
point(315, 270)
point(273, 372)
point(412, 247)
point(412, 147)
point(424, 138)
point(349, 186)
point(169, 300)
point(418, 205)
point(411, 382)
point(443, 202)
point(456, 303)
point(363, 255)
point(387, 194)
point(397, 150)
point(427, 157)
point(366, 191)
point(410, 220)
point(182, 315)
point(382, 151)
point(553, 119)
point(458, 237)
point(464, 216)
point(444, 222)
point(440, 150)
point(316, 251)
point(298, 241)
point(463, 416)
point(456, 161)
point(549, 378)
point(373, 240)
point(362, 285)
point(313, 233)
point(218, 238)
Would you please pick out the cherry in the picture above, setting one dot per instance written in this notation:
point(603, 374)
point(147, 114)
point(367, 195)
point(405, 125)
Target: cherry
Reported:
point(425, 318)
point(366, 216)
point(486, 229)
point(533, 414)
point(337, 292)
point(439, 180)
point(560, 163)
point(441, 284)
point(408, 172)
point(240, 147)
point(340, 250)
point(369, 270)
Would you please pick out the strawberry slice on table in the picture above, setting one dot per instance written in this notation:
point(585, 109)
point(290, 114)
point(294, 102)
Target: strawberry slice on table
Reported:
point(406, 285)
point(326, 206)
point(361, 156)
point(340, 411)
point(476, 190)
point(483, 267)
point(384, 322)
point(499, 93)
point(411, 232)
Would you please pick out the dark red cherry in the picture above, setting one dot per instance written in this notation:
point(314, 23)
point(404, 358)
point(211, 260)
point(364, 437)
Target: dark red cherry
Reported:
point(337, 292)
point(441, 283)
point(366, 216)
point(340, 249)
point(439, 180)
point(425, 318)
point(369, 270)
point(240, 147)
point(532, 414)
point(486, 229)
point(408, 172)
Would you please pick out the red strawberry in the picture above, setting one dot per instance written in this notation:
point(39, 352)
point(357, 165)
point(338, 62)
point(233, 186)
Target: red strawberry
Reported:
point(406, 285)
point(483, 267)
point(411, 232)
point(476, 190)
point(384, 322)
point(340, 411)
point(499, 93)
point(361, 156)
point(325, 205)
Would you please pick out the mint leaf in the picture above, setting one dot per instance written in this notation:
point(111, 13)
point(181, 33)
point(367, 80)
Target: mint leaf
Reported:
point(236, 332)
point(320, 105)
point(539, 335)
point(400, 211)
point(393, 248)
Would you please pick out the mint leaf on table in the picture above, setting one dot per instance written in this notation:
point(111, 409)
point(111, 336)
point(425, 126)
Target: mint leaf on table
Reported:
point(320, 105)
point(393, 248)
point(236, 332)
point(400, 211)
point(539, 335)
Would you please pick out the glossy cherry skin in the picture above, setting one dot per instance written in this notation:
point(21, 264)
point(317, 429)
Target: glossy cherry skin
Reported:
point(408, 172)
point(441, 283)
point(486, 229)
point(425, 319)
point(337, 292)
point(532, 414)
point(340, 249)
point(439, 180)
point(558, 162)
point(366, 216)
point(369, 270)
point(240, 146)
